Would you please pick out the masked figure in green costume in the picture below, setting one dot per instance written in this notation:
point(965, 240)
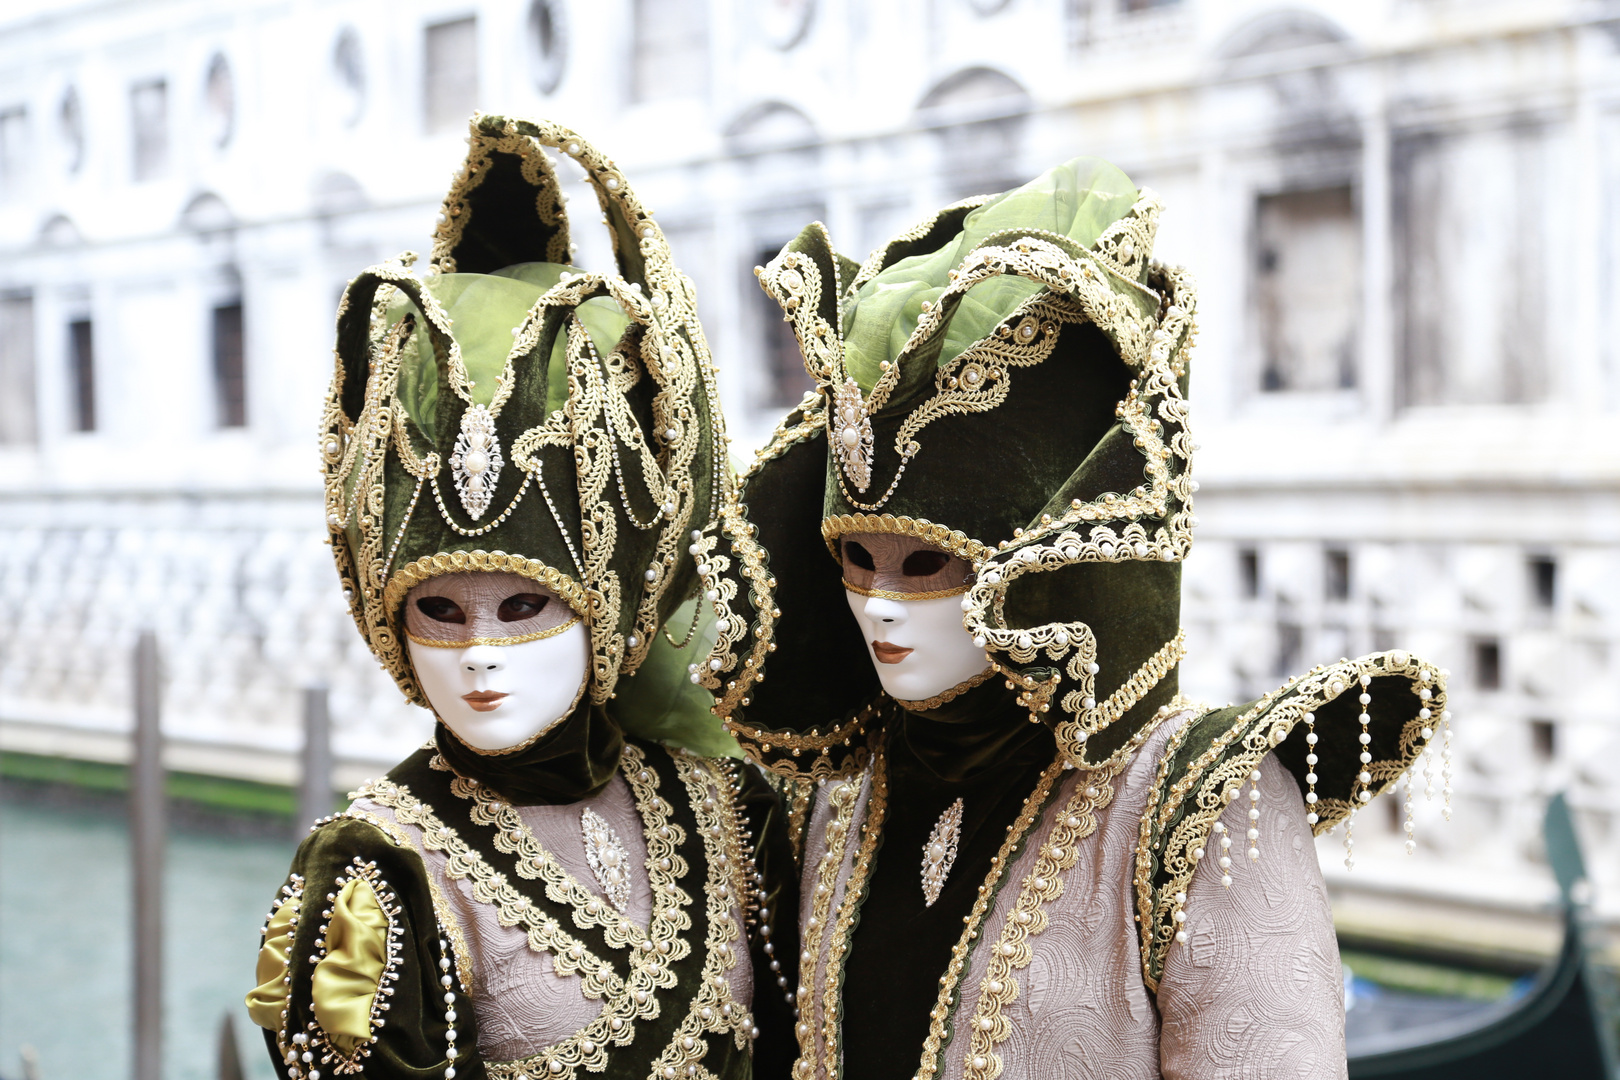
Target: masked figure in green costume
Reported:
point(572, 877)
point(1025, 854)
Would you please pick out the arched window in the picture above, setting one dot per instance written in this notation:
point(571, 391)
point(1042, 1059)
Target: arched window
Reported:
point(978, 117)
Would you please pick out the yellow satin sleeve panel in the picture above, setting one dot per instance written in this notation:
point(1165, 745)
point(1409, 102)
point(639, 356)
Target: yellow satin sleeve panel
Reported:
point(346, 979)
point(266, 1001)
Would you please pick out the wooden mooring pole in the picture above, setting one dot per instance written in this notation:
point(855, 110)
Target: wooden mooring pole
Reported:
point(315, 788)
point(147, 826)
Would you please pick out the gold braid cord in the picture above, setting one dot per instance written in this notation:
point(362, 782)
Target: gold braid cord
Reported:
point(1182, 810)
point(1013, 949)
point(843, 798)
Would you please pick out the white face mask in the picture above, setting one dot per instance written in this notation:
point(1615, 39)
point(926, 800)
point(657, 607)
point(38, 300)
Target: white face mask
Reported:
point(907, 598)
point(919, 647)
point(504, 674)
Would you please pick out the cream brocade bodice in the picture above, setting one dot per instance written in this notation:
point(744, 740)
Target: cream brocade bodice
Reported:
point(1254, 993)
point(523, 1005)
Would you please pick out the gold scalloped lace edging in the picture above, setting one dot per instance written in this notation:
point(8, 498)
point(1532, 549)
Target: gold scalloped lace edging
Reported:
point(598, 981)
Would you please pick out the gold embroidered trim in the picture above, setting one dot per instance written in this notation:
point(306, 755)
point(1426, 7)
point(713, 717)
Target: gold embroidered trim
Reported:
point(941, 536)
point(1074, 730)
point(1013, 949)
point(842, 799)
point(599, 981)
point(949, 695)
point(665, 866)
point(520, 639)
point(940, 1015)
point(712, 1008)
point(759, 742)
point(797, 797)
point(890, 594)
point(733, 626)
point(1213, 786)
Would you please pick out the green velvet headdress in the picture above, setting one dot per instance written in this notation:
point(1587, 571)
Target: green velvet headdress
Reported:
point(1008, 381)
point(508, 412)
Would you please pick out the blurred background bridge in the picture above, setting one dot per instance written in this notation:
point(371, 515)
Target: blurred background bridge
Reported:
point(1403, 215)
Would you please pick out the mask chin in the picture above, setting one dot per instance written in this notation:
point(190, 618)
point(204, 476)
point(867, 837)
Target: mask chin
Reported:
point(541, 682)
point(942, 654)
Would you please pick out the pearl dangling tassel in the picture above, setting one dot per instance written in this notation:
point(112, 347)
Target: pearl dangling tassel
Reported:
point(1254, 815)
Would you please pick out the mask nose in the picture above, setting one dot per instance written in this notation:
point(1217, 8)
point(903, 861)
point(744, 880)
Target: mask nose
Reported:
point(883, 610)
point(482, 659)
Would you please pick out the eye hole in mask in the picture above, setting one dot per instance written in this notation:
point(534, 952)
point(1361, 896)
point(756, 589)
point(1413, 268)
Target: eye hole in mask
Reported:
point(521, 606)
point(441, 609)
point(858, 555)
point(924, 563)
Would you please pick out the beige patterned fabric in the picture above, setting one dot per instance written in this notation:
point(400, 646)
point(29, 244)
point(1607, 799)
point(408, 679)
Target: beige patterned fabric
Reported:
point(522, 1004)
point(1255, 993)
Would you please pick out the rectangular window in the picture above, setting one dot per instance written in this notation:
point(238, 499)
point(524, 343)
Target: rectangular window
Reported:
point(13, 150)
point(671, 51)
point(1336, 567)
point(1487, 664)
point(1544, 739)
point(17, 370)
point(1290, 646)
point(230, 387)
point(82, 374)
point(1249, 572)
point(149, 115)
point(1308, 289)
point(1442, 187)
point(1543, 581)
point(450, 74)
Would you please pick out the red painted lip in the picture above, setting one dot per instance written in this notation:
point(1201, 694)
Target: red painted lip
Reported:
point(889, 654)
point(483, 700)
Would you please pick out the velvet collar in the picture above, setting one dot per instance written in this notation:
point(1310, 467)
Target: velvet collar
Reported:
point(573, 761)
point(979, 729)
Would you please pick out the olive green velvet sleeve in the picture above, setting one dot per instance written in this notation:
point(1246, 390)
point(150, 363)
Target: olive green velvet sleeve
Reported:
point(774, 947)
point(356, 972)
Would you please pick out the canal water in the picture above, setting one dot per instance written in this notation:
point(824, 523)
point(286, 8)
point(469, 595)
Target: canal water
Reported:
point(65, 943)
point(65, 949)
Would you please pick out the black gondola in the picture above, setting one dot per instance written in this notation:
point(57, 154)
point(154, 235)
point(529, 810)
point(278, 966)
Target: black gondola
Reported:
point(1562, 1027)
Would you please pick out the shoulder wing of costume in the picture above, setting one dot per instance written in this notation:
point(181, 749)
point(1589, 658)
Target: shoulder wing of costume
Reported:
point(505, 411)
point(357, 971)
point(1008, 381)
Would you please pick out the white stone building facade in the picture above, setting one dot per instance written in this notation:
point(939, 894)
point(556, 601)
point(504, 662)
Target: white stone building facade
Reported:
point(1402, 214)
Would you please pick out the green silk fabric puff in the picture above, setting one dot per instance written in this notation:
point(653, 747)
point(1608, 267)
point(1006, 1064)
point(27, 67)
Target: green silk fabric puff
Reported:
point(485, 308)
point(1078, 200)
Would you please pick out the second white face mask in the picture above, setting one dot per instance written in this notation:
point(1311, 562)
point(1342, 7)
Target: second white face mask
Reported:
point(919, 647)
point(501, 697)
